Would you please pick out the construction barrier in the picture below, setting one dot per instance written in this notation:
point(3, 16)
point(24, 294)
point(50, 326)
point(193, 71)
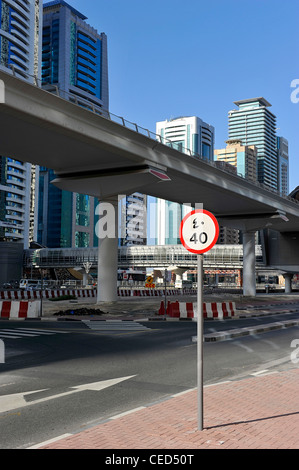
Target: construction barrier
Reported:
point(23, 294)
point(54, 293)
point(189, 309)
point(19, 309)
point(46, 294)
point(123, 292)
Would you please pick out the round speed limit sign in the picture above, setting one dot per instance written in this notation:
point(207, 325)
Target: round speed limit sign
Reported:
point(199, 231)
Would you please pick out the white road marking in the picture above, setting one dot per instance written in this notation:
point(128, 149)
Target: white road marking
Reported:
point(17, 400)
point(114, 325)
point(50, 441)
point(17, 333)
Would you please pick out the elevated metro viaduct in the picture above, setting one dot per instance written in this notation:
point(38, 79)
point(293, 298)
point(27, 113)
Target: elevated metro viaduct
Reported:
point(92, 154)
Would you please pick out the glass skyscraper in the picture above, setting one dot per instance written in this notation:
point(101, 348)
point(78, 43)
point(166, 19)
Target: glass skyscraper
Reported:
point(74, 55)
point(253, 124)
point(283, 165)
point(20, 37)
point(74, 60)
point(20, 54)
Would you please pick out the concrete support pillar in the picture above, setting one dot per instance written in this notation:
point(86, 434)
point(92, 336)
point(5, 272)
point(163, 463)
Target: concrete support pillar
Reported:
point(107, 233)
point(288, 282)
point(178, 273)
point(85, 279)
point(249, 282)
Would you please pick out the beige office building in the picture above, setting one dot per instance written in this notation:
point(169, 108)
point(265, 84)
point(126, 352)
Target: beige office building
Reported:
point(243, 157)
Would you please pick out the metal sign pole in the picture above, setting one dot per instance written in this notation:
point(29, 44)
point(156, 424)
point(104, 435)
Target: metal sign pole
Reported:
point(199, 231)
point(200, 340)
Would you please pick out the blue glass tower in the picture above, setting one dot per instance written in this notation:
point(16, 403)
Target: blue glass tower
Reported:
point(254, 124)
point(283, 165)
point(74, 55)
point(74, 60)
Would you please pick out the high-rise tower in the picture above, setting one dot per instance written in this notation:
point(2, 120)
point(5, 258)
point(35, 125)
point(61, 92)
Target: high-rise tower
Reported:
point(74, 55)
point(20, 54)
point(253, 124)
point(283, 165)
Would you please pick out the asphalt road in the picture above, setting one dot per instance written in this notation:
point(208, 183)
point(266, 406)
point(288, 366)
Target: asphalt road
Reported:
point(74, 377)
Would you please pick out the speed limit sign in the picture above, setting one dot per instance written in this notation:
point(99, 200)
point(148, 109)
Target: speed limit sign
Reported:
point(199, 231)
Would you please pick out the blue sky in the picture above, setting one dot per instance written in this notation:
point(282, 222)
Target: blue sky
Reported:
point(170, 58)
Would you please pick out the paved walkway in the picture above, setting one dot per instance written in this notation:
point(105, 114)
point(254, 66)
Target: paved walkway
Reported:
point(254, 413)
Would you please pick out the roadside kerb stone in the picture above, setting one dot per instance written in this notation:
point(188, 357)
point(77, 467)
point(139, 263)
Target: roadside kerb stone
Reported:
point(246, 331)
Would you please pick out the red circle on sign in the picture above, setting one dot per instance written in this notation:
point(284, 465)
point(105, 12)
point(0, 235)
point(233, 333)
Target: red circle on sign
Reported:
point(214, 237)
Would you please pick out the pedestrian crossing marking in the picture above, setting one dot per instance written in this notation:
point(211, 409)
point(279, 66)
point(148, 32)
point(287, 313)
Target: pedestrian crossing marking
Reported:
point(114, 325)
point(17, 333)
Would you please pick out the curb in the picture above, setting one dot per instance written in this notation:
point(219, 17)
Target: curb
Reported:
point(247, 331)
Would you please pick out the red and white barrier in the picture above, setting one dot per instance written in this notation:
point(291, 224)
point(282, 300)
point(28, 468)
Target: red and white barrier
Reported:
point(123, 292)
point(46, 294)
point(23, 294)
point(218, 310)
point(19, 309)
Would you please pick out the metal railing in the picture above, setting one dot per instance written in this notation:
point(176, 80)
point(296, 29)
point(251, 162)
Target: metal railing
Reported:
point(97, 109)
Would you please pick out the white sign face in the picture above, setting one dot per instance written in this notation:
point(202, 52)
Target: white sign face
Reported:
point(199, 231)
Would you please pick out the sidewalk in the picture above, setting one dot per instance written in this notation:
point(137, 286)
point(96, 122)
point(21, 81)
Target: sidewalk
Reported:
point(253, 413)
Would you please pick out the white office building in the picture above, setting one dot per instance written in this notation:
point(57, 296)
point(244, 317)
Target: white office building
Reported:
point(188, 133)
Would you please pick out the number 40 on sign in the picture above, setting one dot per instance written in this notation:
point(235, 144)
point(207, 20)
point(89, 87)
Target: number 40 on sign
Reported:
point(199, 231)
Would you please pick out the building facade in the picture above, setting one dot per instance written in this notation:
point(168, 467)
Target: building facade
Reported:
point(65, 219)
point(74, 60)
point(187, 134)
point(20, 54)
point(242, 157)
point(74, 56)
point(20, 31)
point(254, 124)
point(283, 165)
